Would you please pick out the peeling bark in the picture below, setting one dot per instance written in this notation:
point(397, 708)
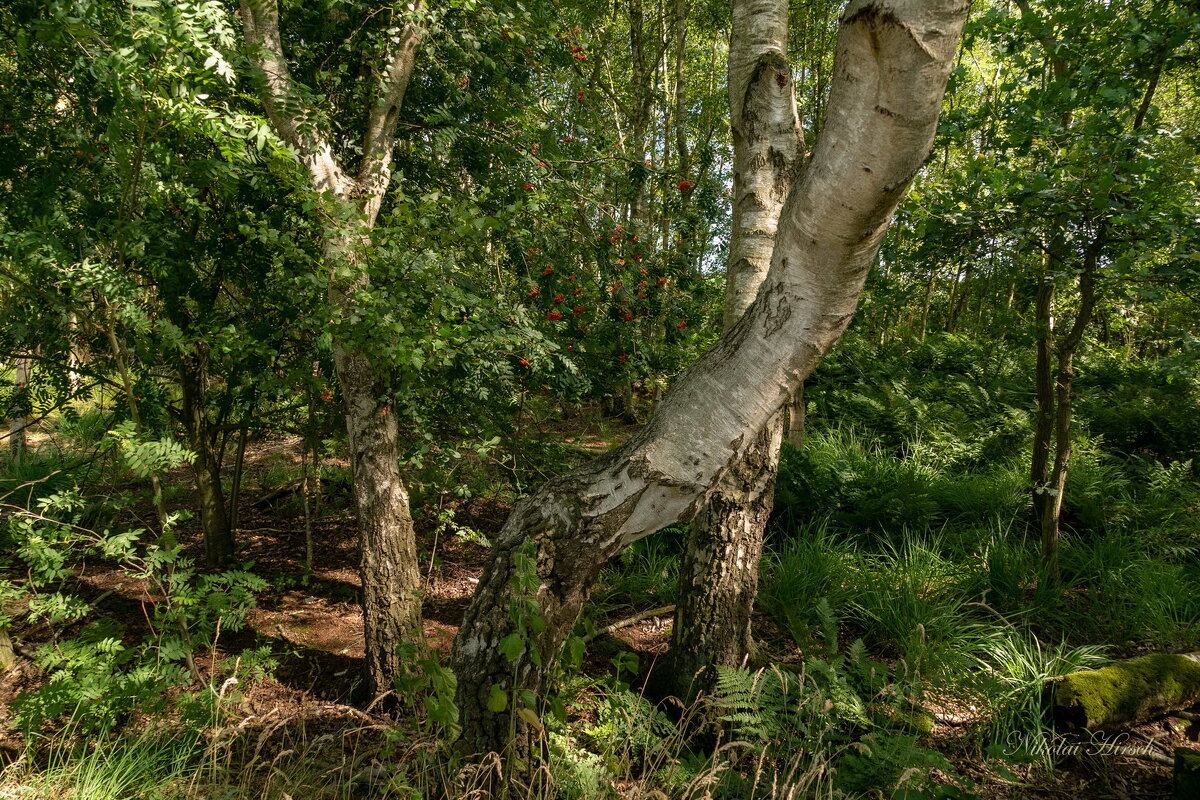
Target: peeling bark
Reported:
point(719, 571)
point(893, 56)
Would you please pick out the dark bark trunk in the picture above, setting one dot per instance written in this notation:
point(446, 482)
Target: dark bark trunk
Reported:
point(1063, 416)
point(239, 471)
point(219, 546)
point(1043, 393)
point(718, 578)
point(391, 581)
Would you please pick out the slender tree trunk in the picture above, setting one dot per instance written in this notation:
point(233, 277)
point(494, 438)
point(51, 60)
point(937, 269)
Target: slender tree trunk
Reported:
point(1063, 417)
point(306, 487)
point(388, 566)
point(18, 412)
point(73, 354)
point(927, 302)
point(1043, 430)
point(1055, 485)
point(952, 300)
point(219, 545)
point(891, 68)
point(960, 300)
point(239, 471)
point(719, 572)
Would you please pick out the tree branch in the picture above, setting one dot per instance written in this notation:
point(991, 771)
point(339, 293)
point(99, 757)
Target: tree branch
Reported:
point(381, 121)
point(282, 99)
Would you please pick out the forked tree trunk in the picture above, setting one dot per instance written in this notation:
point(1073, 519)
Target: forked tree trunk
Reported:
point(388, 566)
point(719, 573)
point(1064, 399)
point(891, 67)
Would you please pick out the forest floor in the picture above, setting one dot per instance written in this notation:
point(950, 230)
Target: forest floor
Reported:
point(314, 630)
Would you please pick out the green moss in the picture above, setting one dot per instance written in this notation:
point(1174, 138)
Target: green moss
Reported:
point(1187, 774)
point(918, 721)
point(1127, 691)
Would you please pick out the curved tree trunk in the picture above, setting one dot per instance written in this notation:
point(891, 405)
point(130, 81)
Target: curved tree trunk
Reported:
point(719, 573)
point(891, 68)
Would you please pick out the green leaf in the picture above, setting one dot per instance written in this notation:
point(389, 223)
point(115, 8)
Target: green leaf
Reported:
point(512, 646)
point(497, 699)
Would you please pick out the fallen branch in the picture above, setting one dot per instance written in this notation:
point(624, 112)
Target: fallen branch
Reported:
point(635, 619)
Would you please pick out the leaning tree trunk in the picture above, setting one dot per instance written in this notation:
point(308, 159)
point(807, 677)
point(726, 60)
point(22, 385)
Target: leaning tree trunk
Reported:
point(719, 572)
point(891, 67)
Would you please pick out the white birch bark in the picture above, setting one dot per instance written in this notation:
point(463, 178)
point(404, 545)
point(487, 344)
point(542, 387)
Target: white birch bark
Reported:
point(18, 419)
point(892, 62)
point(719, 571)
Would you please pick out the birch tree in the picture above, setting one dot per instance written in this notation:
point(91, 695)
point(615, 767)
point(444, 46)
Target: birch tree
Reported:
point(891, 66)
point(353, 196)
point(719, 571)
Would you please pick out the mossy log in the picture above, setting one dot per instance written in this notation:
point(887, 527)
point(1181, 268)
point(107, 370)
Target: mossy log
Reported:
point(1127, 692)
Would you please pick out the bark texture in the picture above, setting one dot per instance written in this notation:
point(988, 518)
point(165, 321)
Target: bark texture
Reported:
point(797, 417)
point(18, 412)
point(391, 580)
point(719, 572)
point(718, 578)
point(768, 145)
point(388, 567)
point(219, 545)
point(891, 68)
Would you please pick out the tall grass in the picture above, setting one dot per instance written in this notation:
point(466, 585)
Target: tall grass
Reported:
point(155, 763)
